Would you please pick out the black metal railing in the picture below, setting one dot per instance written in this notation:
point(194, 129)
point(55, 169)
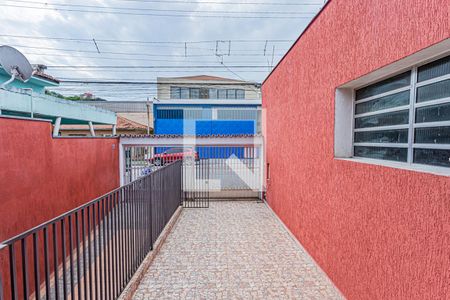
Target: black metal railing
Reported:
point(92, 251)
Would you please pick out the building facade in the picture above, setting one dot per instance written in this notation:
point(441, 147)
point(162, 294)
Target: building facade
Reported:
point(205, 105)
point(358, 146)
point(37, 83)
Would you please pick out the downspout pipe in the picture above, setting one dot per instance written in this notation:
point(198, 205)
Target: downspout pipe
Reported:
point(13, 76)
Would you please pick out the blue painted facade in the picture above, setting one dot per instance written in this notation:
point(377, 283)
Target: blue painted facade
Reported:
point(212, 152)
point(204, 127)
point(205, 119)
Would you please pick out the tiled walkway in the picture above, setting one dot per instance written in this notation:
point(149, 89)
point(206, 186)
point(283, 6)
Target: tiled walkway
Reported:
point(233, 250)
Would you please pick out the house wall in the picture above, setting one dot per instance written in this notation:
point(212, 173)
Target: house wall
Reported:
point(378, 232)
point(42, 177)
point(251, 93)
point(204, 127)
point(34, 83)
point(210, 121)
point(49, 107)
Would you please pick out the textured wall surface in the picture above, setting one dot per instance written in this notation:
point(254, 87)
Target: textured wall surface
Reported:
point(378, 232)
point(42, 177)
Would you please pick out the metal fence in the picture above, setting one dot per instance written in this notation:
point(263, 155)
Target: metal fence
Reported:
point(206, 169)
point(92, 251)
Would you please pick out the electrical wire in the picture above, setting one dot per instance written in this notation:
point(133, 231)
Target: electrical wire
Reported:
point(163, 10)
point(156, 15)
point(136, 54)
point(182, 71)
point(115, 81)
point(147, 42)
point(108, 52)
point(223, 3)
point(138, 59)
point(152, 67)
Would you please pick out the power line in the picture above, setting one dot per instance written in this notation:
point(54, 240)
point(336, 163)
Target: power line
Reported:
point(107, 88)
point(184, 71)
point(175, 60)
point(136, 56)
point(231, 71)
point(156, 15)
point(164, 10)
point(236, 51)
point(89, 40)
point(223, 3)
point(153, 44)
point(137, 59)
point(109, 52)
point(132, 54)
point(125, 92)
point(141, 82)
point(180, 72)
point(69, 87)
point(153, 67)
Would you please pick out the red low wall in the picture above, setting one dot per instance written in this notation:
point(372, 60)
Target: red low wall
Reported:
point(42, 177)
point(378, 232)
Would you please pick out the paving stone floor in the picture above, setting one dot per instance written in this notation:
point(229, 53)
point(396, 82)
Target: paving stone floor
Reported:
point(233, 250)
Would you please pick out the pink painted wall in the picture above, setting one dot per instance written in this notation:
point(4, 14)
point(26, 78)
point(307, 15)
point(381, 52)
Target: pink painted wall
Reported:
point(378, 232)
point(42, 177)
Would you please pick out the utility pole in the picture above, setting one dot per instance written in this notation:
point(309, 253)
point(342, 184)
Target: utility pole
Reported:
point(148, 116)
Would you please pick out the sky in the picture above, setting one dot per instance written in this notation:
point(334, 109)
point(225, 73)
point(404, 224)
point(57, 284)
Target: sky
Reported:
point(140, 40)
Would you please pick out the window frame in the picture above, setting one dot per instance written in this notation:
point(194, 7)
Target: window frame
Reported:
point(219, 91)
point(229, 92)
point(191, 92)
point(172, 88)
point(240, 91)
point(185, 89)
point(215, 91)
point(412, 124)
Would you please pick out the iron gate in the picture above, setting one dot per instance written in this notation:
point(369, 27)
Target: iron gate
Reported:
point(143, 160)
point(209, 171)
point(195, 184)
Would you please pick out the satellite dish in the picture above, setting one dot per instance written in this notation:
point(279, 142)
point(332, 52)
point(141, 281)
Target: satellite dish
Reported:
point(15, 64)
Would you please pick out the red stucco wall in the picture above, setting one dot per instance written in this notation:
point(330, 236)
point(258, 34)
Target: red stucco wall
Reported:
point(42, 177)
point(378, 232)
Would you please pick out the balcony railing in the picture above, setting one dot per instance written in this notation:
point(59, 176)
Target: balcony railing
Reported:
point(92, 251)
point(15, 101)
